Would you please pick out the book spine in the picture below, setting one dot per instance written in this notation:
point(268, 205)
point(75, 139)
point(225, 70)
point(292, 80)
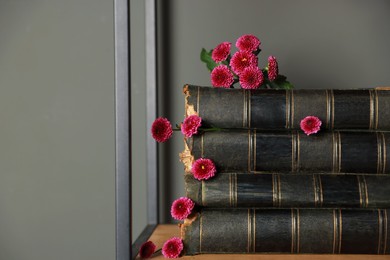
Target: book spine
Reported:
point(290, 190)
point(284, 109)
point(293, 151)
point(318, 231)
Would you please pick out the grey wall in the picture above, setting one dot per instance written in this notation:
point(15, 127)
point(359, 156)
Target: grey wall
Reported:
point(319, 44)
point(57, 130)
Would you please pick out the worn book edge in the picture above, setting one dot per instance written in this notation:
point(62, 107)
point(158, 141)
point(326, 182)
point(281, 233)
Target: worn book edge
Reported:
point(186, 157)
point(382, 88)
point(189, 109)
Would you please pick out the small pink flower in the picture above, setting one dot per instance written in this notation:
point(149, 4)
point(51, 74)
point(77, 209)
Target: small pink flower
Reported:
point(203, 169)
point(248, 42)
point(181, 208)
point(147, 249)
point(191, 125)
point(161, 129)
point(273, 70)
point(221, 76)
point(172, 248)
point(242, 60)
point(310, 125)
point(221, 52)
point(251, 78)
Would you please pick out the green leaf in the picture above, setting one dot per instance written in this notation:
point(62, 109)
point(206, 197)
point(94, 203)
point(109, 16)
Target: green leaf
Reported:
point(206, 58)
point(281, 83)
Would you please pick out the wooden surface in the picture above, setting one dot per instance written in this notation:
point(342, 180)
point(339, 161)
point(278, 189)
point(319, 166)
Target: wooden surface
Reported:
point(164, 232)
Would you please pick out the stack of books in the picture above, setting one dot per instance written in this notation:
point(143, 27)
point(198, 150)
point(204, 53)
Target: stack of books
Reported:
point(279, 190)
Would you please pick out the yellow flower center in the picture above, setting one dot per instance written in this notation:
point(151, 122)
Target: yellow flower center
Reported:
point(202, 167)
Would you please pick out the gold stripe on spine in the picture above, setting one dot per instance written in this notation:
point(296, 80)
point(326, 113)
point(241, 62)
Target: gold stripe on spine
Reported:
point(327, 121)
point(339, 152)
point(198, 102)
point(298, 237)
point(279, 192)
point(336, 151)
point(294, 231)
point(376, 109)
point(276, 193)
point(292, 104)
point(318, 196)
point(340, 229)
point(384, 153)
point(331, 109)
point(249, 109)
point(293, 224)
point(254, 150)
point(230, 191)
point(288, 108)
point(372, 105)
point(360, 191)
point(315, 190)
point(321, 192)
point(249, 231)
point(200, 231)
point(245, 109)
point(380, 157)
point(335, 229)
point(254, 231)
point(203, 190)
point(363, 191)
point(297, 165)
point(380, 231)
point(385, 230)
point(235, 190)
point(293, 151)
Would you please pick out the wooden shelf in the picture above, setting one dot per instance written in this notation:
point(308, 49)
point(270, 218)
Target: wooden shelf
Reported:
point(164, 232)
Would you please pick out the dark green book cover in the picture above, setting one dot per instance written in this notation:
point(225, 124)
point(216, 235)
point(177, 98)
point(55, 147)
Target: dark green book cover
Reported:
point(312, 231)
point(284, 109)
point(280, 190)
point(291, 151)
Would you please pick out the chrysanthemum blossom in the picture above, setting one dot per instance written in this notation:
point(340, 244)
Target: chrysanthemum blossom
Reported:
point(161, 129)
point(273, 70)
point(241, 60)
point(310, 125)
point(251, 78)
point(221, 52)
point(203, 169)
point(147, 249)
point(248, 42)
point(191, 125)
point(172, 248)
point(182, 208)
point(221, 76)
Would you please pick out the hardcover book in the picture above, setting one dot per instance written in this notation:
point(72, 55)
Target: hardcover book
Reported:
point(291, 151)
point(280, 190)
point(284, 109)
point(318, 231)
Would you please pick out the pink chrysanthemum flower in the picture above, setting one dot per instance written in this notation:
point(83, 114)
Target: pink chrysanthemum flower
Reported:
point(161, 129)
point(172, 248)
point(203, 169)
point(147, 249)
point(181, 208)
point(248, 42)
point(221, 52)
point(273, 70)
point(242, 60)
point(191, 125)
point(221, 76)
point(310, 125)
point(251, 78)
